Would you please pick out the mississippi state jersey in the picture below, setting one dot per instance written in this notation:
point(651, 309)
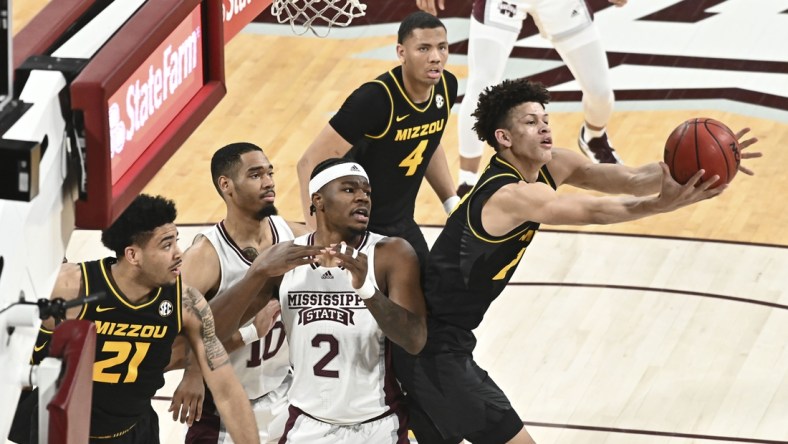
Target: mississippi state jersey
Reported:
point(397, 152)
point(556, 19)
point(133, 345)
point(339, 354)
point(467, 267)
point(262, 365)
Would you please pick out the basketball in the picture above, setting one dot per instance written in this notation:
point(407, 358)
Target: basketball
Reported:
point(702, 143)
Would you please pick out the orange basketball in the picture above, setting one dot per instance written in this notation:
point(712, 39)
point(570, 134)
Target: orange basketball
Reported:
point(706, 144)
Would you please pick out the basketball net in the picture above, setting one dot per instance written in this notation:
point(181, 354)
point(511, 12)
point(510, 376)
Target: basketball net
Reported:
point(305, 15)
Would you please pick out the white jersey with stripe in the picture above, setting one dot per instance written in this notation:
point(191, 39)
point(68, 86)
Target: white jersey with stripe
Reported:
point(342, 373)
point(262, 365)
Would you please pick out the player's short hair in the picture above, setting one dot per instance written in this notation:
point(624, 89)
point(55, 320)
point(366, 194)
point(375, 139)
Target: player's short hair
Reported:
point(136, 224)
point(324, 165)
point(328, 163)
point(417, 20)
point(496, 102)
point(225, 160)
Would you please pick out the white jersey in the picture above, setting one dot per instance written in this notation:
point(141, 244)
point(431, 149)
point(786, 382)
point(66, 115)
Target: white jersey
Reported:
point(338, 351)
point(262, 365)
point(556, 19)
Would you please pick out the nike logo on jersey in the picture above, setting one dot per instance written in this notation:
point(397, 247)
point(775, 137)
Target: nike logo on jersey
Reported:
point(401, 118)
point(327, 275)
point(38, 348)
point(101, 309)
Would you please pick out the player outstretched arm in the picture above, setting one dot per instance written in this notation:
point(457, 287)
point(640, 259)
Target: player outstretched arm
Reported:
point(571, 168)
point(515, 203)
point(231, 308)
point(327, 144)
point(200, 270)
point(198, 325)
point(398, 306)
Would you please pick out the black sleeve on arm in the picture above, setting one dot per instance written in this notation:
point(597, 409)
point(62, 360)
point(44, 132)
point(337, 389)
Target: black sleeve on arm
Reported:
point(365, 112)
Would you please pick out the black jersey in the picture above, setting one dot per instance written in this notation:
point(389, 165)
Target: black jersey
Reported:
point(467, 267)
point(394, 139)
point(133, 346)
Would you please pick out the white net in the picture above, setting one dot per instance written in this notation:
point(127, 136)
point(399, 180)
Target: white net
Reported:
point(317, 16)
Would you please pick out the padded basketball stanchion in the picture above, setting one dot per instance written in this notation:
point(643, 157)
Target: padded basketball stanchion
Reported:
point(74, 342)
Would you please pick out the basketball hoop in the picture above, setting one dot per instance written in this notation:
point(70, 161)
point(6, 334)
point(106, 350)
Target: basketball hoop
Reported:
point(305, 15)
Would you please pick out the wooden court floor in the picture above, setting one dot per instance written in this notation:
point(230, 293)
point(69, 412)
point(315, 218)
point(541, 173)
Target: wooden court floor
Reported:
point(667, 330)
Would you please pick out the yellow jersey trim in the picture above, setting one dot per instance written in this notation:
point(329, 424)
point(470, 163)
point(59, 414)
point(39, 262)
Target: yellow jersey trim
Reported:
point(178, 291)
point(87, 290)
point(446, 94)
point(468, 215)
point(407, 99)
point(117, 293)
point(114, 435)
point(391, 112)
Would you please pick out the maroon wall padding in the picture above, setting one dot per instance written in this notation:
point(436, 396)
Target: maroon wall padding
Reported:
point(74, 342)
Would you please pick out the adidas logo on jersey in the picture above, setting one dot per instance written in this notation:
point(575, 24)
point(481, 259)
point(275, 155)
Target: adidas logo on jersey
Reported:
point(327, 275)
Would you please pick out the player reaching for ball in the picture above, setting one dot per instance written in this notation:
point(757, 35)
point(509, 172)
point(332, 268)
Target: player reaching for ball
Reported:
point(703, 143)
point(450, 397)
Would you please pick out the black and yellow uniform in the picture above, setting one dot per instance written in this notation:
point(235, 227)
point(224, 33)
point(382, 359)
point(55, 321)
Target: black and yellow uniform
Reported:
point(133, 346)
point(451, 397)
point(394, 140)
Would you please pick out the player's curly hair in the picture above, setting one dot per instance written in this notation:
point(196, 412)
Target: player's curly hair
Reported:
point(496, 102)
point(135, 226)
point(226, 159)
point(417, 20)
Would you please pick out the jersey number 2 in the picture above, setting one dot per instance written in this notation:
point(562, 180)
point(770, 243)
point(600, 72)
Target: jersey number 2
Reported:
point(414, 159)
point(122, 352)
point(333, 351)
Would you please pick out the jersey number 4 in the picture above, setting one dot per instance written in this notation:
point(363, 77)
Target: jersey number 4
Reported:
point(122, 352)
point(414, 159)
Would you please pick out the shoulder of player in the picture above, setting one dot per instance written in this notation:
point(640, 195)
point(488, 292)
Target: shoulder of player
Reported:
point(200, 247)
point(567, 163)
point(451, 81)
point(298, 228)
point(374, 89)
point(393, 249)
point(201, 265)
point(68, 282)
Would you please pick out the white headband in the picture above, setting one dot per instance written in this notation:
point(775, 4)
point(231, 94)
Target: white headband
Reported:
point(335, 172)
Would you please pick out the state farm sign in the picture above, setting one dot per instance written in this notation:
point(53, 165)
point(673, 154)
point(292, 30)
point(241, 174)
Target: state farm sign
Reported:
point(155, 93)
point(238, 13)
